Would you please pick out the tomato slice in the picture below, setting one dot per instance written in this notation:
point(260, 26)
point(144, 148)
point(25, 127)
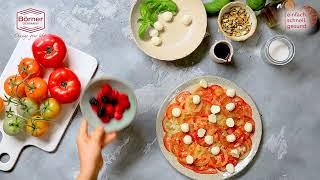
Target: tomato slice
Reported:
point(170, 108)
point(170, 125)
point(245, 148)
point(166, 142)
point(219, 160)
point(182, 97)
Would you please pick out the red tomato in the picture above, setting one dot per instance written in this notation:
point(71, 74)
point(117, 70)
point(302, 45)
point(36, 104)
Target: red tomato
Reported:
point(30, 68)
point(181, 98)
point(64, 85)
point(49, 50)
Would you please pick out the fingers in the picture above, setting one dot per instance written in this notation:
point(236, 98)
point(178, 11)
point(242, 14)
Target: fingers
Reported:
point(83, 132)
point(98, 134)
point(108, 138)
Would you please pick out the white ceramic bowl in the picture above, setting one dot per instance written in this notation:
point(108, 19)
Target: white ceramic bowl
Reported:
point(91, 91)
point(252, 19)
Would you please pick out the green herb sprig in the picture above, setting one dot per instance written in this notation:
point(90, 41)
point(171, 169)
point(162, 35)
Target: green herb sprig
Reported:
point(149, 11)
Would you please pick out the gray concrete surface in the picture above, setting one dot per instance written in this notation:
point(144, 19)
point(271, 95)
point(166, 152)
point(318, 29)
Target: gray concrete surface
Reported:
point(288, 97)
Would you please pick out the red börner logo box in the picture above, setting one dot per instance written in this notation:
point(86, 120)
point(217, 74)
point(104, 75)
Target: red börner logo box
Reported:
point(30, 20)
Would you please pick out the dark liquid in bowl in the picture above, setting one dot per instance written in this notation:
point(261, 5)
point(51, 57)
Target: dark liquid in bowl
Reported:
point(222, 51)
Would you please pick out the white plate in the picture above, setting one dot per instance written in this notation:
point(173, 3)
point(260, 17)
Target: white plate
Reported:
point(178, 40)
point(256, 138)
point(82, 64)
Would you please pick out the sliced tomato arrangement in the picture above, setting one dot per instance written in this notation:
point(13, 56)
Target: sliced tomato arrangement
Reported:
point(196, 116)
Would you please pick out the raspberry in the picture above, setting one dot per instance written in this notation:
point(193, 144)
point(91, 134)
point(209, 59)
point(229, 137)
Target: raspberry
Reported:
point(118, 115)
point(110, 110)
point(105, 119)
point(107, 90)
point(95, 108)
point(119, 109)
point(114, 94)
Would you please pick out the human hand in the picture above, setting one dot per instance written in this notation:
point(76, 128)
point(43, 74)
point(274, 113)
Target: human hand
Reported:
point(89, 150)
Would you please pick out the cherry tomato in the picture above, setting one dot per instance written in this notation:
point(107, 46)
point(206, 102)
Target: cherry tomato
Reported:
point(49, 50)
point(64, 85)
point(36, 89)
point(1, 105)
point(37, 126)
point(29, 68)
point(49, 108)
point(14, 86)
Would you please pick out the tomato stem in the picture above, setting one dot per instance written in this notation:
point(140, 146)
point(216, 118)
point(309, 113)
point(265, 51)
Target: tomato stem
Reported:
point(49, 49)
point(64, 84)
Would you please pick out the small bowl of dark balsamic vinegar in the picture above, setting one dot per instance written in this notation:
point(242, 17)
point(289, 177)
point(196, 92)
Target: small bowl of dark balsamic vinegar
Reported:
point(221, 51)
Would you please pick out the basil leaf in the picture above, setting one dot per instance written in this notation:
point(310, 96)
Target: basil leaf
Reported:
point(144, 25)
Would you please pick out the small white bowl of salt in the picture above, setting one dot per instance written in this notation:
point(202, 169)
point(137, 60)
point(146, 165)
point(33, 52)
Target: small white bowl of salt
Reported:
point(278, 50)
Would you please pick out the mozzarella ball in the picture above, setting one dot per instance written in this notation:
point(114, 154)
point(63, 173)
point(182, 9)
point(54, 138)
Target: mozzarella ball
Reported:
point(212, 118)
point(230, 106)
point(187, 139)
point(230, 168)
point(189, 159)
point(187, 20)
point(184, 127)
point(231, 138)
point(248, 127)
point(167, 16)
point(230, 122)
point(208, 139)
point(158, 26)
point(215, 150)
point(196, 99)
point(176, 112)
point(154, 33)
point(215, 109)
point(235, 153)
point(156, 41)
point(231, 92)
point(203, 83)
point(201, 132)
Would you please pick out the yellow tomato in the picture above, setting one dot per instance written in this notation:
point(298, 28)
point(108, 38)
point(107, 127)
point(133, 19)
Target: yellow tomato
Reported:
point(37, 126)
point(49, 108)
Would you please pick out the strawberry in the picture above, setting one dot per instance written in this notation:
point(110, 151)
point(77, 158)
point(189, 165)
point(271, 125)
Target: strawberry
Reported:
point(110, 110)
point(124, 101)
point(118, 115)
point(99, 97)
point(107, 90)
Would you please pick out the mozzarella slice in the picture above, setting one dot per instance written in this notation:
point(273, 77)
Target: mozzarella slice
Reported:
point(176, 112)
point(187, 20)
point(248, 127)
point(215, 150)
point(230, 106)
point(187, 139)
point(203, 83)
point(158, 26)
point(156, 41)
point(230, 122)
point(215, 109)
point(231, 138)
point(196, 99)
point(154, 33)
point(212, 118)
point(208, 139)
point(184, 127)
point(231, 92)
point(230, 168)
point(201, 132)
point(189, 159)
point(167, 16)
point(235, 153)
